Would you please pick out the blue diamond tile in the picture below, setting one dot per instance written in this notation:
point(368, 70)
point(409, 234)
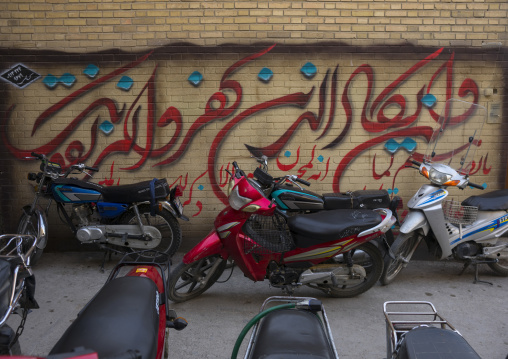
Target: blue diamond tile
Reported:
point(195, 78)
point(50, 81)
point(391, 145)
point(265, 74)
point(201, 187)
point(309, 70)
point(125, 83)
point(409, 144)
point(429, 100)
point(106, 127)
point(67, 79)
point(91, 71)
point(320, 158)
point(287, 154)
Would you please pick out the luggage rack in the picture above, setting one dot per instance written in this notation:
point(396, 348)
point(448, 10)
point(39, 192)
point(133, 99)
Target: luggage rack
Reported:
point(407, 315)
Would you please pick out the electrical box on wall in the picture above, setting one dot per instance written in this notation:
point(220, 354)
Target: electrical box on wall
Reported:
point(494, 112)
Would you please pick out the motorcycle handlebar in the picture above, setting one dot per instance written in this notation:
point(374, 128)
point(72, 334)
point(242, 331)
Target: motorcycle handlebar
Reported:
point(416, 163)
point(302, 181)
point(38, 156)
point(474, 185)
point(93, 169)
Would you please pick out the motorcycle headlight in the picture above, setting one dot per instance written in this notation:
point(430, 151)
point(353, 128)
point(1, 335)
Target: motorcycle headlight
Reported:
point(439, 177)
point(236, 201)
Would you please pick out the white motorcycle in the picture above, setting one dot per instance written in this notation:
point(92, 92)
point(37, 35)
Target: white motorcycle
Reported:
point(474, 231)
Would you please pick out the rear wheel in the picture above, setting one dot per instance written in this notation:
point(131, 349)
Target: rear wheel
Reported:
point(188, 281)
point(29, 224)
point(501, 267)
point(166, 224)
point(403, 249)
point(369, 257)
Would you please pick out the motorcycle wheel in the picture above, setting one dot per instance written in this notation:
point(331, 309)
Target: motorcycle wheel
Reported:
point(501, 267)
point(15, 349)
point(403, 249)
point(371, 261)
point(165, 223)
point(29, 224)
point(186, 280)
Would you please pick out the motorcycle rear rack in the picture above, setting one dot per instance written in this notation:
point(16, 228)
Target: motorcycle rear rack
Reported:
point(407, 315)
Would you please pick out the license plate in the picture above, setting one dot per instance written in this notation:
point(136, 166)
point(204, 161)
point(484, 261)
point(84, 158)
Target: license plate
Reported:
point(178, 205)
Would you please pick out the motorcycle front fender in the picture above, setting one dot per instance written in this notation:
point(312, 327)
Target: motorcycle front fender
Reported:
point(42, 225)
point(208, 246)
point(413, 221)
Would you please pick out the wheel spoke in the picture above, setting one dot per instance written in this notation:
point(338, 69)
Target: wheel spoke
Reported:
point(180, 286)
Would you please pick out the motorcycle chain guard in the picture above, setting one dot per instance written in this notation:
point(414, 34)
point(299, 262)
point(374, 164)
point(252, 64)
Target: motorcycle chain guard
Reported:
point(333, 274)
point(121, 235)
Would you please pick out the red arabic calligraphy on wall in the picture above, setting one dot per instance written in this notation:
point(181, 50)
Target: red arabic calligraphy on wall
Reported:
point(373, 120)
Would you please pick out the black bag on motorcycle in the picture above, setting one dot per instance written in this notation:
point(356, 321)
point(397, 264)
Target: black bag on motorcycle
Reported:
point(366, 199)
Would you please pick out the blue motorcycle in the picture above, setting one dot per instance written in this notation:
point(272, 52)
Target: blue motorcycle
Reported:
point(131, 217)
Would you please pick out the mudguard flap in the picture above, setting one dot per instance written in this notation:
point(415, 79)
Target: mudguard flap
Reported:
point(210, 245)
point(413, 221)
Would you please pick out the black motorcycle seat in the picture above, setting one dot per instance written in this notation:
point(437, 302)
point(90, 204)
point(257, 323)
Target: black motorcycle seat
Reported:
point(325, 226)
point(432, 342)
point(291, 334)
point(121, 317)
point(128, 193)
point(492, 201)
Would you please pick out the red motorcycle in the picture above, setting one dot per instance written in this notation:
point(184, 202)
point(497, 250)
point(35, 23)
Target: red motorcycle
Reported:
point(127, 318)
point(331, 250)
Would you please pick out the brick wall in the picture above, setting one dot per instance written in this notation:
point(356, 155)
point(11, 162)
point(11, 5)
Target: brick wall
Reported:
point(371, 64)
point(94, 26)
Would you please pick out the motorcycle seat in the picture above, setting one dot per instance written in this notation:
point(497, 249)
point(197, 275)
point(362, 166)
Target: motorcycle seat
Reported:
point(128, 193)
point(320, 227)
point(121, 317)
point(432, 342)
point(492, 201)
point(291, 334)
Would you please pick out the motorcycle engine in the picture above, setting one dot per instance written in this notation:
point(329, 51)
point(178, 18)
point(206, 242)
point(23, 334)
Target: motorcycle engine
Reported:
point(280, 276)
point(466, 250)
point(81, 214)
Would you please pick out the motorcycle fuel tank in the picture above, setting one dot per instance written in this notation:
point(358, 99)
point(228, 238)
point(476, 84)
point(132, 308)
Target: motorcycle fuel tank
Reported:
point(74, 194)
point(293, 198)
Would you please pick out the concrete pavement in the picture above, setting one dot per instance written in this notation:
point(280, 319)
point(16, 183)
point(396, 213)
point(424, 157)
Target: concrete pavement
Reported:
point(66, 281)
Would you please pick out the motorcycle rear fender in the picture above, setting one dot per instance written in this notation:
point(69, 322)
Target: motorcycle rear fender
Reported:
point(42, 222)
point(413, 221)
point(210, 245)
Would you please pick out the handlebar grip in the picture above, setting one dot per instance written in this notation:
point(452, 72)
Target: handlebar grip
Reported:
point(93, 169)
point(36, 155)
point(416, 163)
point(235, 165)
point(302, 181)
point(474, 185)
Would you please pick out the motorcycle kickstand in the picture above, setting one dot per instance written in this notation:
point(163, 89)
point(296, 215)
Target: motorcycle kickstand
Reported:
point(475, 263)
point(104, 259)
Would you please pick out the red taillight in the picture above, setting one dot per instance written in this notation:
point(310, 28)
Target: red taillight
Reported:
point(178, 191)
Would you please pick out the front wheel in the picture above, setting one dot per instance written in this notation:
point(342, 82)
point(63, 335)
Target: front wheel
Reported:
point(187, 281)
point(369, 257)
point(166, 224)
point(29, 224)
point(402, 249)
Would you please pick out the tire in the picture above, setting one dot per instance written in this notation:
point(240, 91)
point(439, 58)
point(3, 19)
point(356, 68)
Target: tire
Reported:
point(191, 275)
point(371, 261)
point(15, 348)
point(501, 267)
point(29, 224)
point(403, 249)
point(165, 223)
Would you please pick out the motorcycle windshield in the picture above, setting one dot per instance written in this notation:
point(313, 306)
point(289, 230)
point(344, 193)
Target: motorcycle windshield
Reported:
point(457, 136)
